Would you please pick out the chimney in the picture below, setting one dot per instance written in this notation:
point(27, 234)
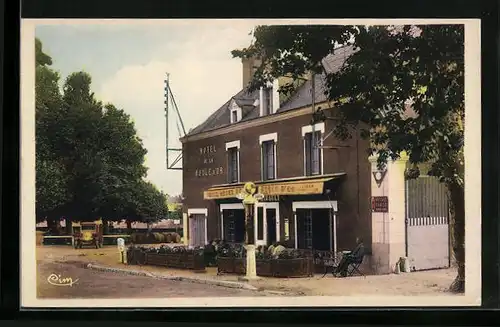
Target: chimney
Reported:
point(249, 67)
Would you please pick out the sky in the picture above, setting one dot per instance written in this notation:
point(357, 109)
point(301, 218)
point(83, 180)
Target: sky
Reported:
point(128, 64)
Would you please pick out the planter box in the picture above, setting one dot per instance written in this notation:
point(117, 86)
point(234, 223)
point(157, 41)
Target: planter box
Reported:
point(231, 265)
point(136, 257)
point(284, 268)
point(176, 260)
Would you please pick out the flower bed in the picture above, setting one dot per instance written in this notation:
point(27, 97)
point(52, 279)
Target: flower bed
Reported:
point(287, 263)
point(178, 257)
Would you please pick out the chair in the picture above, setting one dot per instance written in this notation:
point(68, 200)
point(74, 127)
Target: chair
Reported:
point(349, 265)
point(331, 262)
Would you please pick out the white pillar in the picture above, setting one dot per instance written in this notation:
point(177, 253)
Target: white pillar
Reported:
point(185, 232)
point(388, 229)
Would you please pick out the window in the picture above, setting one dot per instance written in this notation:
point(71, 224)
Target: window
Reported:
point(268, 160)
point(234, 116)
point(233, 170)
point(312, 141)
point(267, 101)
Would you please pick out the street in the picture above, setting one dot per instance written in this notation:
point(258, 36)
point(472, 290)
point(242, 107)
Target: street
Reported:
point(97, 284)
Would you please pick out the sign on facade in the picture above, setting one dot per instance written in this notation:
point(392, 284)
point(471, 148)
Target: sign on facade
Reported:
point(270, 191)
point(380, 204)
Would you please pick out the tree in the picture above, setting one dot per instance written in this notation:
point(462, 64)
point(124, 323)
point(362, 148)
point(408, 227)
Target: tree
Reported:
point(51, 181)
point(393, 68)
point(90, 161)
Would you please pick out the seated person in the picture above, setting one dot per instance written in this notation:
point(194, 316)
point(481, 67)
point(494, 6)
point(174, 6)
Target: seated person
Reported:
point(349, 258)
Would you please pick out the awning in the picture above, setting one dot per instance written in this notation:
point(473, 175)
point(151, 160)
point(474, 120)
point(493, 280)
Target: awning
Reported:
point(286, 186)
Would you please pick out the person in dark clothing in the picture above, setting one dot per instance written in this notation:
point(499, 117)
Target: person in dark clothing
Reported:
point(351, 257)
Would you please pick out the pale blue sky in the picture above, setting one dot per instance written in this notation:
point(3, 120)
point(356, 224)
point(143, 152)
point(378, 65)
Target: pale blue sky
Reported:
point(128, 62)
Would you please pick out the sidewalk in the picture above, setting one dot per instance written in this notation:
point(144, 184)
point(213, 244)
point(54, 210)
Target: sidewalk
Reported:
point(434, 282)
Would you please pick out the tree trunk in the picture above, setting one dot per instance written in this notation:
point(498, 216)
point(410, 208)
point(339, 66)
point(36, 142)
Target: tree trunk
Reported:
point(457, 224)
point(129, 226)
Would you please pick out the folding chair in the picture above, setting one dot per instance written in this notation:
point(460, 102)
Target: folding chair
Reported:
point(353, 266)
point(349, 265)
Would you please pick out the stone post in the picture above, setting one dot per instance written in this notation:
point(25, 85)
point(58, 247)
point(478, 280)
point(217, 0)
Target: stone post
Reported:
point(388, 229)
point(250, 198)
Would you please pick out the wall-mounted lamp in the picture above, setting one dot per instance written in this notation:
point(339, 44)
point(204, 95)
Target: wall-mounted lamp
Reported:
point(379, 176)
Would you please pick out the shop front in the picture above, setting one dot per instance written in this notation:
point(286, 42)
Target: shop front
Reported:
point(298, 211)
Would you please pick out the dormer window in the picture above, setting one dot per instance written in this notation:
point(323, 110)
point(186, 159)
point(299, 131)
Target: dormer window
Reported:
point(235, 112)
point(266, 96)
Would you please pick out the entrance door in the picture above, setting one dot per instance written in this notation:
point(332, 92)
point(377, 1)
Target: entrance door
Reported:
point(234, 225)
point(314, 229)
point(272, 226)
point(197, 225)
point(267, 223)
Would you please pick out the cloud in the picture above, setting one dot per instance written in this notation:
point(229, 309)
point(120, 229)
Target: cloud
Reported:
point(203, 76)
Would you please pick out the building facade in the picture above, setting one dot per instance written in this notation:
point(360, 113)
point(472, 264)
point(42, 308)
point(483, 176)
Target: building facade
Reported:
point(316, 188)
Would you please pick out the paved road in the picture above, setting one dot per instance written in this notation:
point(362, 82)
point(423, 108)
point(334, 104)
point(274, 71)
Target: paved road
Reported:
point(98, 284)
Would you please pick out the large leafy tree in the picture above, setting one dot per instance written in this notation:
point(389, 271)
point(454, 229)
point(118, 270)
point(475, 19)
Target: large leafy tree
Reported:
point(393, 69)
point(90, 161)
point(51, 181)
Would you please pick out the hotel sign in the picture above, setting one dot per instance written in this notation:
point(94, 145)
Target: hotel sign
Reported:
point(207, 154)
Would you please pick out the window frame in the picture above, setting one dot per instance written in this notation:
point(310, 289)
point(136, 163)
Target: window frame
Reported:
point(307, 132)
point(267, 139)
point(233, 146)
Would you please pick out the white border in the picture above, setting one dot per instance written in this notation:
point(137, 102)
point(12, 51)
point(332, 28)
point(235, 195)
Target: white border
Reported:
point(200, 211)
point(472, 296)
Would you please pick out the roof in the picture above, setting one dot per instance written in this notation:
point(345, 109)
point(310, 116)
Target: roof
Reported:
point(301, 98)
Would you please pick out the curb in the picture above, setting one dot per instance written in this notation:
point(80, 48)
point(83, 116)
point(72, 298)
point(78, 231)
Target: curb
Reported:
point(223, 283)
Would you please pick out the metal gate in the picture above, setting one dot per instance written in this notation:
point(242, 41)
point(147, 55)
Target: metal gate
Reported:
point(197, 223)
point(427, 224)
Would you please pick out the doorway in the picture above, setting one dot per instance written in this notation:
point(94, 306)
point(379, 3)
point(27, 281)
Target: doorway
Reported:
point(314, 229)
point(233, 225)
point(267, 223)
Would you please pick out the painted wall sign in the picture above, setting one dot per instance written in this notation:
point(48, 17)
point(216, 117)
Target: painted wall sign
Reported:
point(380, 204)
point(222, 193)
point(295, 188)
point(207, 153)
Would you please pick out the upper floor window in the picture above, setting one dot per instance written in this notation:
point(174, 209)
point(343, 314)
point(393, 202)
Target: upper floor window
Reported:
point(233, 161)
point(268, 155)
point(235, 112)
point(313, 153)
point(266, 100)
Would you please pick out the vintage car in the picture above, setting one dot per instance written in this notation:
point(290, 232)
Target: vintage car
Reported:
point(87, 233)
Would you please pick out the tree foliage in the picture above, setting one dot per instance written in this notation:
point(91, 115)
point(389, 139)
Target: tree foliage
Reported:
point(90, 161)
point(393, 69)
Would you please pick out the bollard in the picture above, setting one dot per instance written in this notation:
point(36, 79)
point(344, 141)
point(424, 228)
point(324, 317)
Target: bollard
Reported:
point(121, 249)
